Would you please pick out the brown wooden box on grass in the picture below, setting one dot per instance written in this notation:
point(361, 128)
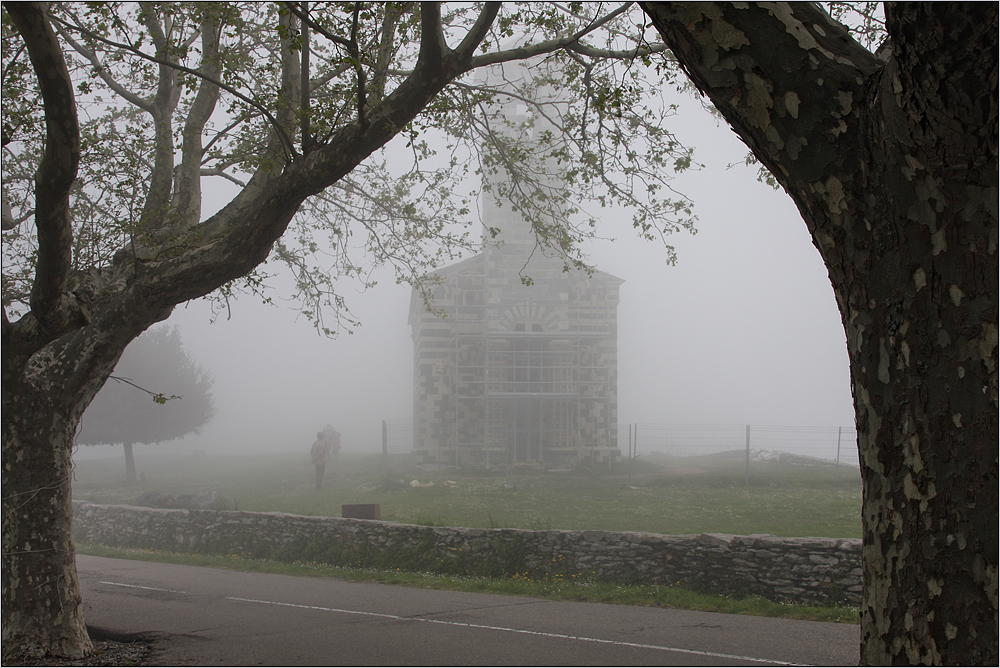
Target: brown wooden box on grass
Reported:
point(361, 511)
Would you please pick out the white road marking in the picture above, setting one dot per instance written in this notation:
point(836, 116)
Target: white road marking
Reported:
point(523, 631)
point(122, 584)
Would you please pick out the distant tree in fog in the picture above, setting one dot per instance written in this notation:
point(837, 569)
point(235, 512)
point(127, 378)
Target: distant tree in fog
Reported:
point(156, 393)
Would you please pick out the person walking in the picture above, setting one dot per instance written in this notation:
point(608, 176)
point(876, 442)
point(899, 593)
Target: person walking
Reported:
point(320, 453)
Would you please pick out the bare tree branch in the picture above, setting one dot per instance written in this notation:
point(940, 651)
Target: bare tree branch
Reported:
point(304, 85)
point(187, 192)
point(10, 222)
point(223, 174)
point(358, 68)
point(393, 12)
point(102, 71)
point(303, 14)
point(285, 139)
point(548, 46)
point(619, 54)
point(164, 102)
point(58, 168)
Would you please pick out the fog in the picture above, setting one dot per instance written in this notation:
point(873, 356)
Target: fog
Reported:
point(743, 330)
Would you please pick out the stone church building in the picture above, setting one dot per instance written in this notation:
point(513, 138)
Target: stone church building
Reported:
point(506, 373)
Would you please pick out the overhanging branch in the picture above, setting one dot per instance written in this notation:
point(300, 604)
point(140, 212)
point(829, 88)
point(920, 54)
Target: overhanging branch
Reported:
point(285, 139)
point(548, 46)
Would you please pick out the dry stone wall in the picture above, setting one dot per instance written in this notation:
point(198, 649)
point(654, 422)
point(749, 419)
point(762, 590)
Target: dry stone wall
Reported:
point(819, 571)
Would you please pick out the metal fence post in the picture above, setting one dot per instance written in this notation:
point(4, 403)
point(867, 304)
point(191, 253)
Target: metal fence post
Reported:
point(747, 483)
point(839, 432)
point(630, 455)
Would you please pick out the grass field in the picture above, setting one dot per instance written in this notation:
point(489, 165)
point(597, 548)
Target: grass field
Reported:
point(708, 494)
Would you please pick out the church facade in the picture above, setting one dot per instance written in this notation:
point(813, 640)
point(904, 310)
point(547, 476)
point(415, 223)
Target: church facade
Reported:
point(511, 373)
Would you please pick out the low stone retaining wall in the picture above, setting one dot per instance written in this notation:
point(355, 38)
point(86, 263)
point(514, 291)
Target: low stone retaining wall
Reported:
point(819, 571)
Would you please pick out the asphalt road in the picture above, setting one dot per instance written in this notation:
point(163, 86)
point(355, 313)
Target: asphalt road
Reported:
point(214, 617)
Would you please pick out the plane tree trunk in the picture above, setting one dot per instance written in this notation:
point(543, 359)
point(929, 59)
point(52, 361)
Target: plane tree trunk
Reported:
point(39, 559)
point(44, 396)
point(892, 163)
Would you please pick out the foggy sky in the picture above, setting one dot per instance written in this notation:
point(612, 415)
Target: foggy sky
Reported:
point(743, 330)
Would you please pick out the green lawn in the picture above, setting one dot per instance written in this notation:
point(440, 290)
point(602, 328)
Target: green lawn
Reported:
point(670, 496)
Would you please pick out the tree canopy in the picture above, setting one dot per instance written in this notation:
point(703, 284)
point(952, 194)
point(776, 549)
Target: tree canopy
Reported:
point(182, 101)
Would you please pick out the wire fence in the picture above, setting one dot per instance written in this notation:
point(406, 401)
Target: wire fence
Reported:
point(836, 444)
point(742, 447)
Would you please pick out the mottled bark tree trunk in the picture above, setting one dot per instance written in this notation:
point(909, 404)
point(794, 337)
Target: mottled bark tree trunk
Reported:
point(39, 561)
point(893, 164)
point(43, 399)
point(44, 396)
